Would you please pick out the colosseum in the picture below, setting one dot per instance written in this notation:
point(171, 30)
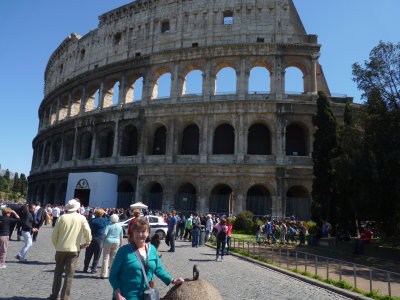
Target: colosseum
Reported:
point(107, 136)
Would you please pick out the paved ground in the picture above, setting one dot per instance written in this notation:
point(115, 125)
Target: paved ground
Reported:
point(234, 278)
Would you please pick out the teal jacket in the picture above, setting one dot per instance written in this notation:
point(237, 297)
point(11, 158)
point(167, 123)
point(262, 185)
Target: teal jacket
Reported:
point(126, 272)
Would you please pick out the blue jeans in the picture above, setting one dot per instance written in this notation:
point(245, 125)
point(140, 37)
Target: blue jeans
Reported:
point(195, 237)
point(171, 235)
point(28, 243)
point(228, 243)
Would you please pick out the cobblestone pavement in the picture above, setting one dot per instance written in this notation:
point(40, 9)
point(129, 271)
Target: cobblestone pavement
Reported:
point(234, 278)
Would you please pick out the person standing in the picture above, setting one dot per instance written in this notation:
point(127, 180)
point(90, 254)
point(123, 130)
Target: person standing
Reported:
point(55, 212)
point(221, 238)
point(27, 229)
point(98, 226)
point(228, 235)
point(113, 239)
point(40, 216)
point(209, 227)
point(171, 231)
point(66, 239)
point(196, 223)
point(5, 223)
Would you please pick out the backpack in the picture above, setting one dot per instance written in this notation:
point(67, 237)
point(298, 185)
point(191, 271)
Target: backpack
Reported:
point(221, 235)
point(189, 224)
point(196, 223)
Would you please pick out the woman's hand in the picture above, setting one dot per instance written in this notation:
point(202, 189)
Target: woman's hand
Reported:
point(177, 281)
point(118, 295)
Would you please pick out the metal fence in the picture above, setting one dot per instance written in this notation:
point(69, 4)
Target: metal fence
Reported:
point(359, 276)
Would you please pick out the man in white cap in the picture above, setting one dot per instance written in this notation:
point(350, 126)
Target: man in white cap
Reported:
point(66, 239)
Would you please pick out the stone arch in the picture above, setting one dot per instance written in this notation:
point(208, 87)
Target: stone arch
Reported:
point(56, 150)
point(224, 139)
point(105, 143)
point(63, 108)
point(153, 196)
point(134, 90)
point(192, 81)
point(259, 140)
point(190, 140)
point(260, 78)
point(162, 81)
point(92, 100)
point(165, 26)
point(296, 71)
point(129, 141)
point(258, 200)
point(85, 145)
point(111, 93)
point(38, 160)
point(220, 199)
point(298, 203)
point(296, 139)
point(76, 102)
point(225, 79)
point(47, 148)
point(51, 195)
point(68, 146)
point(186, 198)
point(159, 145)
point(126, 194)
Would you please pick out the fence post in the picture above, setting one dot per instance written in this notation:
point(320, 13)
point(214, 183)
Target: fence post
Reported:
point(316, 265)
point(248, 248)
point(389, 288)
point(370, 280)
point(287, 258)
point(340, 271)
point(279, 257)
point(355, 275)
point(234, 242)
point(296, 259)
point(272, 255)
point(305, 263)
point(327, 268)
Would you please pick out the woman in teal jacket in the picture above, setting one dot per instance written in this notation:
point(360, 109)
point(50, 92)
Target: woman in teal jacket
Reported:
point(126, 276)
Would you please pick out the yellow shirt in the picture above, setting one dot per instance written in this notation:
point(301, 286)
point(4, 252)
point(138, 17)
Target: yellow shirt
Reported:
point(67, 234)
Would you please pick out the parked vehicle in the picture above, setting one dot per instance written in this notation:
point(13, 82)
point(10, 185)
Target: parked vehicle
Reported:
point(157, 225)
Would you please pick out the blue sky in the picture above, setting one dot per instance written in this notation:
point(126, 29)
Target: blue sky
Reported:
point(31, 30)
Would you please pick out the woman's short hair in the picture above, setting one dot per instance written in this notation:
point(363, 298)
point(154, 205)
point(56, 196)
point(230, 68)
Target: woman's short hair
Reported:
point(223, 221)
point(136, 213)
point(114, 218)
point(99, 213)
point(141, 225)
point(6, 210)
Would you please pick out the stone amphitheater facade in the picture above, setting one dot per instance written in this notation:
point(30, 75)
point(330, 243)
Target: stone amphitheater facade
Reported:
point(205, 152)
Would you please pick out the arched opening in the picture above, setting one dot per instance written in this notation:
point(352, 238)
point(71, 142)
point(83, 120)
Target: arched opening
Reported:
point(129, 141)
point(294, 81)
point(51, 195)
point(62, 192)
point(85, 145)
point(111, 95)
point(296, 140)
point(76, 103)
point(105, 143)
point(39, 155)
point(138, 89)
point(68, 147)
point(47, 153)
point(63, 110)
point(193, 83)
point(162, 87)
point(154, 196)
point(165, 26)
point(92, 101)
point(259, 81)
point(159, 141)
point(126, 195)
point(224, 140)
point(225, 81)
point(298, 203)
point(190, 140)
point(258, 201)
point(185, 200)
point(55, 151)
point(259, 140)
point(220, 199)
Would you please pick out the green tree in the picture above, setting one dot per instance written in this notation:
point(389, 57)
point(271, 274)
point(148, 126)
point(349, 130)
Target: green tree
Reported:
point(325, 150)
point(23, 185)
point(16, 183)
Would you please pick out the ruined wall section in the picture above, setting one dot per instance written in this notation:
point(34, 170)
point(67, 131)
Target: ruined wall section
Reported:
point(140, 29)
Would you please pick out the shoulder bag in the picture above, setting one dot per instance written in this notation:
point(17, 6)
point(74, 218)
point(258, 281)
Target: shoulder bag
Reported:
point(150, 293)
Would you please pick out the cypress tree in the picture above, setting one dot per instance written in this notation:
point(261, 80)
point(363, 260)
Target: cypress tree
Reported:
point(325, 150)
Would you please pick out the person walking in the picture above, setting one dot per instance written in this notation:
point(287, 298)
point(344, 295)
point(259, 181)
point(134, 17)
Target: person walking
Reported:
point(5, 223)
point(97, 226)
point(55, 212)
point(113, 239)
point(66, 239)
point(27, 229)
point(40, 216)
point(171, 231)
point(221, 238)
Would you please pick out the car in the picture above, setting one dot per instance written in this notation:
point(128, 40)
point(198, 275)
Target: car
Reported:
point(157, 225)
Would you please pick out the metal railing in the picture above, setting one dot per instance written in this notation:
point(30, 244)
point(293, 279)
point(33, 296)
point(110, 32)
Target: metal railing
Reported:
point(360, 276)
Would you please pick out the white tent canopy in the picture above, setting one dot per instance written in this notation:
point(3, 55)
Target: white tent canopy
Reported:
point(138, 205)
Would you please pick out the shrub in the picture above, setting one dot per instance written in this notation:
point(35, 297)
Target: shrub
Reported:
point(244, 221)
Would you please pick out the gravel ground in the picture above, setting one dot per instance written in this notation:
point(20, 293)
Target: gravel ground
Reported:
point(234, 278)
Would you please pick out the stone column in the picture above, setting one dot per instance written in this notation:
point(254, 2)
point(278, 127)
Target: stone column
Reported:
point(61, 158)
point(240, 143)
point(93, 150)
point(116, 141)
point(102, 93)
point(75, 148)
point(176, 84)
point(313, 77)
point(69, 106)
point(147, 88)
point(122, 91)
point(204, 140)
point(242, 80)
point(278, 78)
point(170, 142)
point(83, 101)
point(280, 142)
point(57, 110)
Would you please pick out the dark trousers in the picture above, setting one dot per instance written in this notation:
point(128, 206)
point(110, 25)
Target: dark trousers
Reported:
point(54, 221)
point(35, 234)
point(65, 261)
point(220, 247)
point(94, 250)
point(171, 241)
point(12, 227)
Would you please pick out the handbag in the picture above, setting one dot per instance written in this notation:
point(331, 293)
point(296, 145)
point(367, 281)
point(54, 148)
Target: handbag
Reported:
point(150, 293)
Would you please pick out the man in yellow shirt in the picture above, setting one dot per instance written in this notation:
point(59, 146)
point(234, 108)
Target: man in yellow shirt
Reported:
point(66, 238)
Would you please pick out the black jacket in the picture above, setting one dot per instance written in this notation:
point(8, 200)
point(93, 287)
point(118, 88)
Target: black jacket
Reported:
point(27, 221)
